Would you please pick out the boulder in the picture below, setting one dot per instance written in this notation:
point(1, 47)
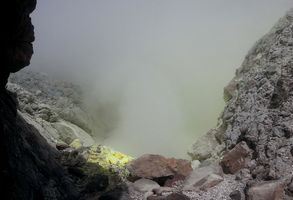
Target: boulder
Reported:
point(156, 166)
point(207, 146)
point(268, 190)
point(204, 177)
point(236, 159)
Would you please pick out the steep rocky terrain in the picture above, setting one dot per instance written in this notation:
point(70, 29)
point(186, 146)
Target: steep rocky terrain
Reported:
point(259, 112)
point(249, 155)
point(53, 107)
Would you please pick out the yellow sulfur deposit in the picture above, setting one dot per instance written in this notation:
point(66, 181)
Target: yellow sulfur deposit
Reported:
point(102, 159)
point(108, 159)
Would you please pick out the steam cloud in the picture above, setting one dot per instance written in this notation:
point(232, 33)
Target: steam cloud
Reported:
point(158, 67)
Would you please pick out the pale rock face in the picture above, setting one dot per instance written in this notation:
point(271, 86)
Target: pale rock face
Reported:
point(53, 107)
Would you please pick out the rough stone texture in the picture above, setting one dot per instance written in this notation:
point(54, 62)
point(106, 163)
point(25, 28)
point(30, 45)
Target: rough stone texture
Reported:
point(259, 107)
point(261, 112)
point(173, 181)
point(53, 107)
point(236, 159)
point(156, 166)
point(60, 105)
point(206, 147)
point(270, 190)
point(220, 191)
point(204, 177)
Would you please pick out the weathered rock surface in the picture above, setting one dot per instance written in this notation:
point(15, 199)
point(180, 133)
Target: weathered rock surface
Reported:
point(236, 159)
point(270, 190)
point(206, 147)
point(156, 166)
point(204, 177)
point(53, 107)
point(261, 112)
point(259, 107)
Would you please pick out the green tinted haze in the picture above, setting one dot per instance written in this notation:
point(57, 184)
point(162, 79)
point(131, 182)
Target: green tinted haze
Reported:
point(163, 62)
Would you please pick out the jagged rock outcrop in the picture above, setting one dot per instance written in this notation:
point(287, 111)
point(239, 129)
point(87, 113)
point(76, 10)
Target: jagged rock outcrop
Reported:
point(259, 106)
point(54, 107)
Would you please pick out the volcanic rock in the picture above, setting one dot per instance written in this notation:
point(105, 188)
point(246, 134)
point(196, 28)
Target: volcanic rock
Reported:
point(156, 166)
point(269, 190)
point(204, 177)
point(206, 147)
point(236, 159)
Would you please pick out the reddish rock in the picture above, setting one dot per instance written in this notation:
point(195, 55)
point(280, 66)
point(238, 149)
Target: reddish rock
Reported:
point(269, 190)
point(236, 159)
point(156, 166)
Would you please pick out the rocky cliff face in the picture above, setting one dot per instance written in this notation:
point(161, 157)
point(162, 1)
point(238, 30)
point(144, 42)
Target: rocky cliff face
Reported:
point(54, 107)
point(30, 167)
point(259, 109)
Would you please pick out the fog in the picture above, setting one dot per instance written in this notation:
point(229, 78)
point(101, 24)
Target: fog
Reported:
point(160, 64)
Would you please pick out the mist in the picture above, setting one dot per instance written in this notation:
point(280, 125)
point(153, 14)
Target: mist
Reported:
point(158, 67)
